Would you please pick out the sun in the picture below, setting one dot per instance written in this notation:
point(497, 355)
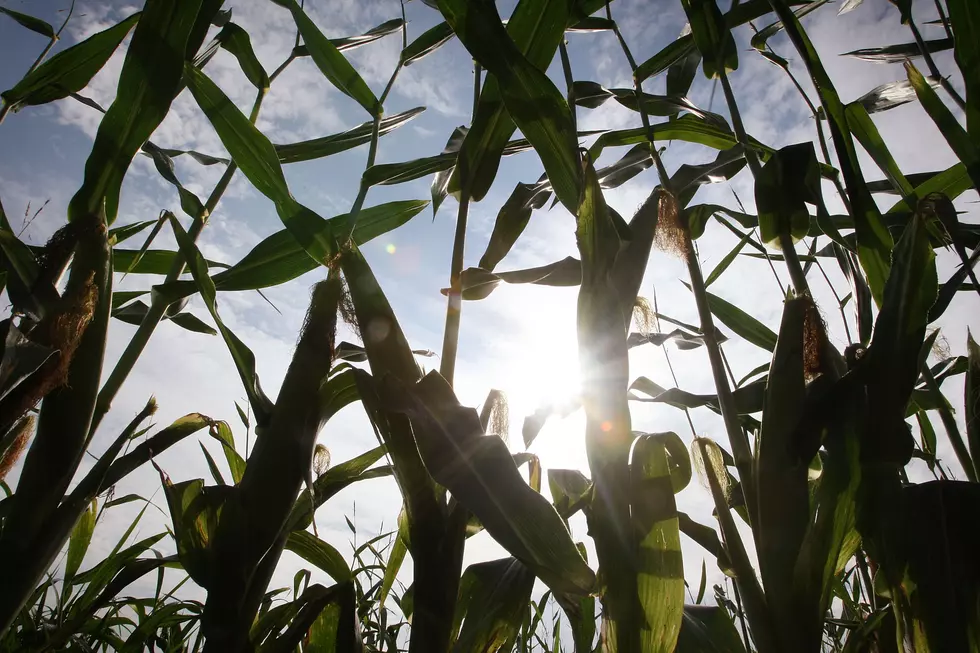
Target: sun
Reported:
point(547, 377)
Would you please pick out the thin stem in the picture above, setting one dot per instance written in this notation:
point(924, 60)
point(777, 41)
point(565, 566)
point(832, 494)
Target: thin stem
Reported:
point(741, 615)
point(736, 436)
point(933, 69)
point(158, 305)
point(566, 67)
point(869, 590)
point(362, 192)
point(638, 94)
point(942, 17)
point(454, 304)
point(785, 238)
point(949, 423)
point(840, 307)
point(282, 67)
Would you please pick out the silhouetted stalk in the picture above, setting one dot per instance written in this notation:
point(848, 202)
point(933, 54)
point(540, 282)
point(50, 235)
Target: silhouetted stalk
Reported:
point(755, 167)
point(454, 304)
point(934, 69)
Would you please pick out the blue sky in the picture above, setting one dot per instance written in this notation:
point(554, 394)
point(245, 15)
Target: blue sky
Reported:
point(522, 338)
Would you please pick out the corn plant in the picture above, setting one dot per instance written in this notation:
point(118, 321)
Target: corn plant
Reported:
point(850, 554)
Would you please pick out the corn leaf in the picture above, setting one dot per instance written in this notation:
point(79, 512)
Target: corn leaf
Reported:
point(874, 243)
point(971, 399)
point(427, 43)
point(318, 148)
point(317, 552)
point(863, 128)
point(708, 629)
point(898, 336)
point(532, 100)
point(958, 139)
point(964, 17)
point(900, 52)
point(150, 80)
point(331, 62)
point(235, 40)
point(496, 594)
point(781, 475)
point(70, 70)
point(712, 37)
point(660, 581)
point(257, 159)
point(81, 537)
point(30, 22)
point(242, 356)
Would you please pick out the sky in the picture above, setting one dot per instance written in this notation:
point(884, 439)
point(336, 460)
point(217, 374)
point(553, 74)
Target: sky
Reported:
point(521, 339)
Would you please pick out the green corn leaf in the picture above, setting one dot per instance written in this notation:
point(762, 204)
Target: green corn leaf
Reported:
point(748, 398)
point(235, 40)
point(511, 221)
point(743, 324)
point(712, 37)
point(660, 581)
point(971, 399)
point(708, 629)
point(134, 312)
point(332, 481)
point(152, 261)
point(194, 510)
point(327, 617)
point(729, 258)
point(604, 359)
point(739, 14)
point(212, 466)
point(221, 432)
point(781, 475)
point(352, 42)
point(119, 234)
point(939, 542)
point(532, 100)
point(430, 41)
point(789, 180)
point(964, 16)
point(257, 159)
point(763, 35)
point(279, 258)
point(331, 62)
point(481, 474)
point(890, 95)
point(901, 52)
point(81, 537)
point(496, 594)
point(317, 552)
point(958, 139)
point(240, 353)
point(681, 73)
point(189, 202)
point(898, 335)
point(154, 445)
point(863, 128)
point(874, 243)
point(670, 55)
point(318, 148)
point(70, 70)
point(395, 559)
point(478, 283)
point(150, 80)
point(30, 22)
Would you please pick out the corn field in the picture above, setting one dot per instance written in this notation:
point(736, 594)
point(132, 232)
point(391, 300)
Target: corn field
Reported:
point(838, 479)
